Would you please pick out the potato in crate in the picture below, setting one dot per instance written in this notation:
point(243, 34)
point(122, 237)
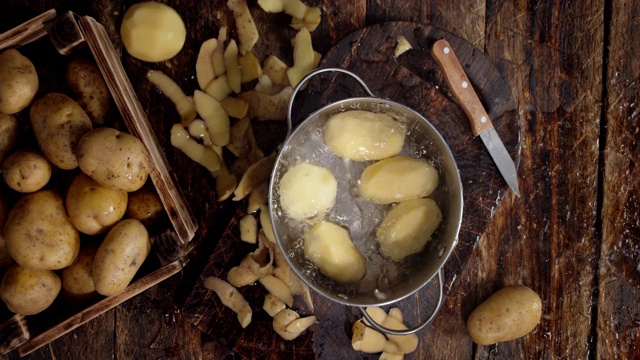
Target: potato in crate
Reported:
point(83, 199)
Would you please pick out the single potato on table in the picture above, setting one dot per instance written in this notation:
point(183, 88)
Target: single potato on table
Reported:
point(58, 123)
point(18, 82)
point(119, 257)
point(114, 159)
point(39, 234)
point(28, 291)
point(26, 171)
point(510, 313)
point(93, 208)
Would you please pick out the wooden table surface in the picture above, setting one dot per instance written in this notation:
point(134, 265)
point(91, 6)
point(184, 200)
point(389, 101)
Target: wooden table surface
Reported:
point(574, 234)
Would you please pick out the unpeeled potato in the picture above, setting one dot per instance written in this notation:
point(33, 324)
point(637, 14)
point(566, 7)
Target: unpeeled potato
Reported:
point(26, 171)
point(58, 124)
point(93, 208)
point(18, 81)
point(114, 159)
point(28, 291)
point(39, 234)
point(508, 314)
point(5, 259)
point(8, 135)
point(145, 205)
point(119, 257)
point(88, 86)
point(77, 282)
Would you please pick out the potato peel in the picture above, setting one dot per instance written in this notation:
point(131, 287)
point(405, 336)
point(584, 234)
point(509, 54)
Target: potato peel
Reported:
point(254, 176)
point(231, 298)
point(170, 89)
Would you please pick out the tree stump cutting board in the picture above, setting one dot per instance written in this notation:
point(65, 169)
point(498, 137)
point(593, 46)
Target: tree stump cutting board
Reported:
point(413, 79)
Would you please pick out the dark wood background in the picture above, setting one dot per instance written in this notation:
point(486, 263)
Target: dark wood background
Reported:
point(573, 236)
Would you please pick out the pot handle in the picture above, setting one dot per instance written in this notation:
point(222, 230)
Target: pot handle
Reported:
point(412, 330)
point(306, 79)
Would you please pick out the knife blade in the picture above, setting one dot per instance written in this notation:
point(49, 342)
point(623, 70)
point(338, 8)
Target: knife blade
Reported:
point(467, 98)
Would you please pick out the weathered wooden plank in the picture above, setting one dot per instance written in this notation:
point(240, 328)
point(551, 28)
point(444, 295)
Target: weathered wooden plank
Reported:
point(619, 275)
point(446, 337)
point(549, 240)
point(380, 11)
point(465, 19)
point(151, 326)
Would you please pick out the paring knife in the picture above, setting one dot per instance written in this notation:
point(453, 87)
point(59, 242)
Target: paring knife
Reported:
point(465, 95)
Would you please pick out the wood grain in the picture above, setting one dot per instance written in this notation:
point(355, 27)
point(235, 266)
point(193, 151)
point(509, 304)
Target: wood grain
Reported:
point(572, 236)
point(414, 80)
point(618, 312)
point(547, 240)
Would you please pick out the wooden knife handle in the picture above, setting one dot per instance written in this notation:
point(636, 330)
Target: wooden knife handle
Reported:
point(460, 86)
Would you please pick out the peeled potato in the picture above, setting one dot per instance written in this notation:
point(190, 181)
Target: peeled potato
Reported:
point(329, 247)
point(307, 190)
point(152, 31)
point(398, 179)
point(407, 227)
point(363, 135)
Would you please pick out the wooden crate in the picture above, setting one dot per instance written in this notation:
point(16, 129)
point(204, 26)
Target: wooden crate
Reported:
point(68, 33)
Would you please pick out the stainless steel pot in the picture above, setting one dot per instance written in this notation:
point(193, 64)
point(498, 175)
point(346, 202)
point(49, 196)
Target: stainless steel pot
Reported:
point(386, 282)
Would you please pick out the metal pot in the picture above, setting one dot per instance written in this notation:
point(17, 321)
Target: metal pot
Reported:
point(386, 281)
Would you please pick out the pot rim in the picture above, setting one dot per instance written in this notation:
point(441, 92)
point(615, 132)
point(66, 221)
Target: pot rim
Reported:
point(446, 153)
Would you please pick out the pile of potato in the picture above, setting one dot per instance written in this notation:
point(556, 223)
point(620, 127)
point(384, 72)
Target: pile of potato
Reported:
point(91, 236)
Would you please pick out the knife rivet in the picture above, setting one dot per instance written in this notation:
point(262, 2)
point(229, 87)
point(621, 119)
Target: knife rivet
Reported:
point(483, 119)
point(446, 50)
point(464, 84)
